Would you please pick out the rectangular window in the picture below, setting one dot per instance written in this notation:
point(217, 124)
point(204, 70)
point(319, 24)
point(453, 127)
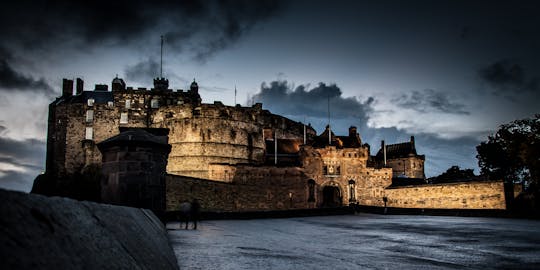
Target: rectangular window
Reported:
point(128, 103)
point(90, 102)
point(123, 118)
point(110, 104)
point(154, 103)
point(89, 116)
point(89, 133)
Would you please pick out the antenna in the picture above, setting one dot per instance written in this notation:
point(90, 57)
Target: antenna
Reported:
point(235, 95)
point(161, 60)
point(329, 129)
point(304, 129)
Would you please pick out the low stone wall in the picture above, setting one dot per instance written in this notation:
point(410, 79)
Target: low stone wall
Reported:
point(265, 189)
point(466, 195)
point(39, 232)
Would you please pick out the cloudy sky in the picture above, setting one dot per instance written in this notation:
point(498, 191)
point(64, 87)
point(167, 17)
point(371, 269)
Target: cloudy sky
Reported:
point(447, 72)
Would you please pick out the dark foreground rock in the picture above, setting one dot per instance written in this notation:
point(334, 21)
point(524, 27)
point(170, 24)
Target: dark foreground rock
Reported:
point(38, 232)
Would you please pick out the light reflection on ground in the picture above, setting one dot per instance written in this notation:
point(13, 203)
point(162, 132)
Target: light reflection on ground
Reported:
point(359, 242)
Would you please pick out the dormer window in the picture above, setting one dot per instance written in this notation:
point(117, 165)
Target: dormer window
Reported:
point(90, 102)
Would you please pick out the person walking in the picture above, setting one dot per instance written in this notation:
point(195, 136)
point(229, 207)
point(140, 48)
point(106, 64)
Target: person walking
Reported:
point(195, 212)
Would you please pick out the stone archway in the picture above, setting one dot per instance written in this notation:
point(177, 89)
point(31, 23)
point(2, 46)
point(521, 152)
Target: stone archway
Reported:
point(331, 196)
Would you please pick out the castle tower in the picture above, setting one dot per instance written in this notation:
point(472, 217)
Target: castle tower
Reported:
point(133, 165)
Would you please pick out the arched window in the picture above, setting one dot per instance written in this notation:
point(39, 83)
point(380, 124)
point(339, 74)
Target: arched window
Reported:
point(352, 191)
point(311, 190)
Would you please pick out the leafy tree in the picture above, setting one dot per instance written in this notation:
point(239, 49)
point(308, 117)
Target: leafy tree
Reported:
point(513, 153)
point(454, 174)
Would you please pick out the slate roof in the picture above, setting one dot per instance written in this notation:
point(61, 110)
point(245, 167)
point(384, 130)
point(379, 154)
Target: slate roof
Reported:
point(135, 136)
point(337, 141)
point(399, 150)
point(100, 97)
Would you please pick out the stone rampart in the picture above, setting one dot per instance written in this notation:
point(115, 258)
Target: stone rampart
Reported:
point(465, 195)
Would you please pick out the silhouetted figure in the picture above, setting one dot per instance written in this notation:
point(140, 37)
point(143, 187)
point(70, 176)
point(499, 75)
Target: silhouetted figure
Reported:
point(195, 212)
point(184, 211)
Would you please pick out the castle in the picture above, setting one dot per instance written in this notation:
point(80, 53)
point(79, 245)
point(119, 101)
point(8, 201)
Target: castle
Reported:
point(235, 158)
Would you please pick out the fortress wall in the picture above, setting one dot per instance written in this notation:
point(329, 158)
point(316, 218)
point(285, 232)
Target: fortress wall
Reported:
point(252, 189)
point(466, 195)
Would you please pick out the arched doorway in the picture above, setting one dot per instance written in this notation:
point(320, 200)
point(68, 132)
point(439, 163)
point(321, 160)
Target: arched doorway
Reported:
point(331, 196)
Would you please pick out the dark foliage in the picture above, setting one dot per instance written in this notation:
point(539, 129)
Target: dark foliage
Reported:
point(455, 174)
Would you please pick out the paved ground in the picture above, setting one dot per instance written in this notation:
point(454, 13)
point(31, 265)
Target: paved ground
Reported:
point(360, 242)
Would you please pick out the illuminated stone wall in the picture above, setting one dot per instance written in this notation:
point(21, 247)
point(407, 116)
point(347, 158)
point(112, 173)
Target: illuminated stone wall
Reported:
point(466, 195)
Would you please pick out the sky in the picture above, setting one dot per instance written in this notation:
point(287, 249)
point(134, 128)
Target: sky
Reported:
point(447, 72)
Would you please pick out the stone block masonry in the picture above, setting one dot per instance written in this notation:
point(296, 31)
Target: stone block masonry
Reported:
point(465, 195)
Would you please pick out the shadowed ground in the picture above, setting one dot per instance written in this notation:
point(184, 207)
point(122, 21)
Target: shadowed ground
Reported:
point(360, 242)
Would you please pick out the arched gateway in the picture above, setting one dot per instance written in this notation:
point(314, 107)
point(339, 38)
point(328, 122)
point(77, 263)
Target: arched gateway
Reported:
point(331, 196)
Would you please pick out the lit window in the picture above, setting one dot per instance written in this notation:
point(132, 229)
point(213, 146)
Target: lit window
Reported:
point(128, 103)
point(89, 116)
point(89, 133)
point(154, 103)
point(90, 102)
point(123, 118)
point(110, 104)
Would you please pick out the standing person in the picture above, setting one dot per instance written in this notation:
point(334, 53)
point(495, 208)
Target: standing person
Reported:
point(195, 211)
point(184, 211)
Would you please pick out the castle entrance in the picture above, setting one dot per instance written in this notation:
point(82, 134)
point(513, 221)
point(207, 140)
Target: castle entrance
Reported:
point(331, 196)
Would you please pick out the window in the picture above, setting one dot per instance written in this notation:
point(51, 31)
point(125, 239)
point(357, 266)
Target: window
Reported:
point(311, 190)
point(89, 116)
point(352, 191)
point(154, 103)
point(110, 104)
point(123, 118)
point(89, 133)
point(90, 102)
point(128, 103)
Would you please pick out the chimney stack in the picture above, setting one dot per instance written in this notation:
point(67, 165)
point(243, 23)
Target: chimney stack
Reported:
point(67, 88)
point(80, 85)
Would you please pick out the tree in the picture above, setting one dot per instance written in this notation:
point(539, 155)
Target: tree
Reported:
point(454, 174)
point(513, 153)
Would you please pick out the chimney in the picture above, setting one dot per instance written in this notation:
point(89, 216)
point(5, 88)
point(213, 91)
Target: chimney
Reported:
point(79, 86)
point(412, 142)
point(352, 131)
point(67, 88)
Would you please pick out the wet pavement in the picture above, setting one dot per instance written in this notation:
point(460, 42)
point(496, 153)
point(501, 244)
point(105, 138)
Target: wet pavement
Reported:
point(359, 242)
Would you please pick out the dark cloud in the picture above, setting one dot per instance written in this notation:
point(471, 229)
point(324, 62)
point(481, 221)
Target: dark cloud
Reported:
point(203, 27)
point(429, 100)
point(143, 71)
point(280, 97)
point(11, 79)
point(27, 156)
point(16, 180)
point(508, 76)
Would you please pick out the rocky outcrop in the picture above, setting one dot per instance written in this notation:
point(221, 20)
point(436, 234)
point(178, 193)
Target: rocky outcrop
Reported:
point(39, 232)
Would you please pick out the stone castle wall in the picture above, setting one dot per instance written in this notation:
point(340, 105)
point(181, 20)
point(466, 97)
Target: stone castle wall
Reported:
point(466, 195)
point(412, 167)
point(252, 189)
point(200, 134)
